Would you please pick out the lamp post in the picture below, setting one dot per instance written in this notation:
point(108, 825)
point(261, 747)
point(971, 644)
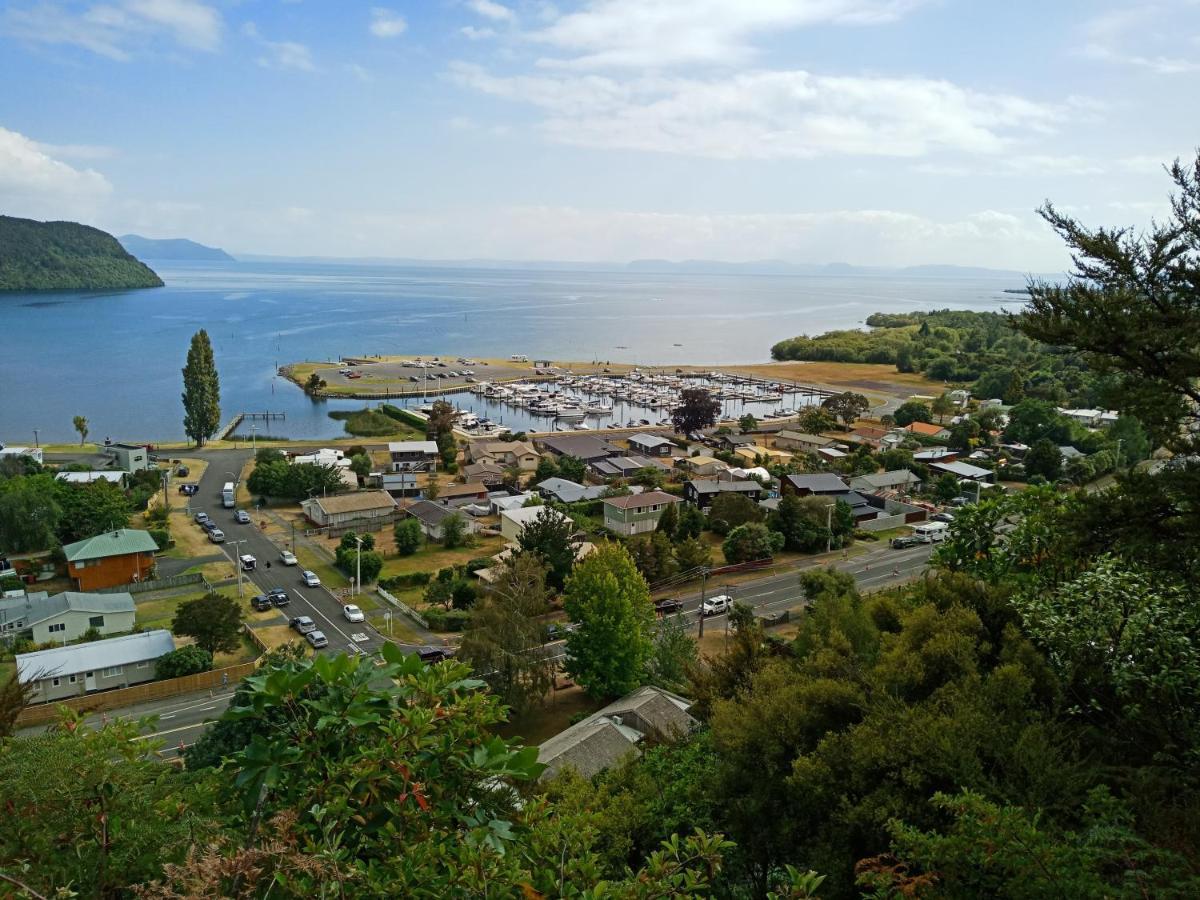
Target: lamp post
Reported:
point(358, 566)
point(237, 563)
point(829, 527)
point(36, 445)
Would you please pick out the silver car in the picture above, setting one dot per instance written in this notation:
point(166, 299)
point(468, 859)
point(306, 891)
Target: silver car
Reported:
point(317, 639)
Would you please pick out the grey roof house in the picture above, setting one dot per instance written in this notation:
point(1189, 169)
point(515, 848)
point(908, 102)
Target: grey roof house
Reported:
point(820, 483)
point(97, 666)
point(896, 480)
point(650, 445)
point(433, 515)
point(608, 736)
point(64, 617)
point(582, 446)
point(566, 491)
point(702, 492)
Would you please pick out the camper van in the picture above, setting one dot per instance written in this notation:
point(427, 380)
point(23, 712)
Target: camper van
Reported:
point(518, 357)
point(248, 562)
point(229, 495)
point(931, 532)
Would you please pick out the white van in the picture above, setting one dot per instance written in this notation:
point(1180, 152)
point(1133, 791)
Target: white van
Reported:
point(518, 357)
point(248, 562)
point(931, 532)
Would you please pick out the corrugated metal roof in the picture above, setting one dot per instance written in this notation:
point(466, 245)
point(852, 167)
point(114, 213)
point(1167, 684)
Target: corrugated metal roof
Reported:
point(111, 543)
point(95, 655)
point(36, 608)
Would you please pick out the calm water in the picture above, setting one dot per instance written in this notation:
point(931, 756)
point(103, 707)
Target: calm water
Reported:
point(116, 357)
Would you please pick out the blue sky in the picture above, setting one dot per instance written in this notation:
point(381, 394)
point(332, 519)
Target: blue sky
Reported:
point(887, 132)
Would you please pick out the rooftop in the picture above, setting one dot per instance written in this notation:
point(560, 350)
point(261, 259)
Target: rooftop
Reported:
point(583, 446)
point(413, 447)
point(359, 502)
point(34, 608)
point(650, 440)
point(430, 513)
point(926, 428)
point(880, 480)
point(961, 469)
point(637, 501)
point(87, 657)
point(718, 487)
point(470, 489)
point(803, 437)
point(526, 514)
point(111, 543)
point(819, 483)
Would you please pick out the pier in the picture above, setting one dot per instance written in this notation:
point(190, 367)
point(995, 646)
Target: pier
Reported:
point(229, 427)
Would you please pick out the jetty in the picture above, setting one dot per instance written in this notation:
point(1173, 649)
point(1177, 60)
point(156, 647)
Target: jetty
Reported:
point(229, 427)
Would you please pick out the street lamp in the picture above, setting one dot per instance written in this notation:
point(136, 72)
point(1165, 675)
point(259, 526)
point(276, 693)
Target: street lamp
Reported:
point(35, 439)
point(237, 563)
point(358, 566)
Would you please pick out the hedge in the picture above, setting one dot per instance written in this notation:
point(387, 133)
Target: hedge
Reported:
point(412, 579)
point(403, 415)
point(446, 620)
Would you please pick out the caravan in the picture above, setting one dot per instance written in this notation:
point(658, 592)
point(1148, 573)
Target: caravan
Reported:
point(931, 532)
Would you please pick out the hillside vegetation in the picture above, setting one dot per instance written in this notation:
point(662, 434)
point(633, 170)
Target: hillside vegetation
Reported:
point(65, 256)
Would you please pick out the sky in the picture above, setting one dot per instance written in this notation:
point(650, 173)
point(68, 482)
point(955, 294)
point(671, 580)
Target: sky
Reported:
point(872, 132)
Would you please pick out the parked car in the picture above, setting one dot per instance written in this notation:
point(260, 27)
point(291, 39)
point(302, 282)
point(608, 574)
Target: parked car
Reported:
point(431, 655)
point(241, 517)
point(200, 517)
point(303, 624)
point(182, 471)
point(279, 597)
point(210, 526)
point(317, 639)
point(260, 603)
point(352, 613)
point(310, 578)
point(906, 540)
point(667, 606)
point(942, 517)
point(287, 557)
point(217, 536)
point(189, 490)
point(714, 606)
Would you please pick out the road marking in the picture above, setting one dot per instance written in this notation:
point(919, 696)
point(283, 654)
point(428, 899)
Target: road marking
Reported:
point(168, 715)
point(326, 618)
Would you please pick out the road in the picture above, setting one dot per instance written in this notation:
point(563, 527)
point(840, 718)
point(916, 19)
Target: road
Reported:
point(317, 603)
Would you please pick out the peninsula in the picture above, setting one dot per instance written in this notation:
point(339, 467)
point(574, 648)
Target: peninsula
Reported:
point(66, 256)
point(171, 248)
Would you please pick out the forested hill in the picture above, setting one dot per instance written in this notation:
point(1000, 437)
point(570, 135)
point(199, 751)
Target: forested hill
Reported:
point(171, 248)
point(63, 256)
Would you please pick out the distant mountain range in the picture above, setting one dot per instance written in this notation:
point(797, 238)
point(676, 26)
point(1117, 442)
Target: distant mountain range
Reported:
point(170, 248)
point(66, 256)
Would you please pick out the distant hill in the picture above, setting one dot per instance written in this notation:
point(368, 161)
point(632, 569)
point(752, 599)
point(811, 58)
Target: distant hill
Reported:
point(66, 256)
point(170, 248)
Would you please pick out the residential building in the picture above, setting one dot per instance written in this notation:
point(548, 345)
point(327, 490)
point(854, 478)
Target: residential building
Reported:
point(507, 454)
point(413, 456)
point(609, 736)
point(398, 484)
point(348, 509)
point(651, 445)
point(896, 480)
point(326, 456)
point(111, 559)
point(964, 471)
point(731, 442)
point(433, 515)
point(935, 454)
point(513, 521)
point(565, 491)
point(64, 617)
point(870, 436)
point(462, 494)
point(581, 446)
point(929, 430)
point(129, 457)
point(702, 492)
point(701, 465)
point(831, 454)
point(820, 484)
point(34, 453)
point(79, 669)
point(1069, 452)
point(751, 453)
point(512, 501)
point(636, 513)
point(799, 440)
point(486, 472)
point(626, 466)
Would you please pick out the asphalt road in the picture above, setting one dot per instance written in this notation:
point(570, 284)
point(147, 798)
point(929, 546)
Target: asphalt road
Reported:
point(317, 603)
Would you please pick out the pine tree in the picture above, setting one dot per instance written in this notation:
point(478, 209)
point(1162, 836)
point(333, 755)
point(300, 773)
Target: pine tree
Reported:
point(201, 391)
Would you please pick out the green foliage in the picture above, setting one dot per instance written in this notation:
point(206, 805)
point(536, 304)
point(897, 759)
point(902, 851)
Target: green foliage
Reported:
point(608, 598)
point(572, 468)
point(214, 620)
point(697, 409)
point(294, 481)
point(653, 555)
point(360, 465)
point(367, 564)
point(673, 655)
point(29, 515)
point(190, 659)
point(691, 522)
point(750, 542)
point(66, 256)
point(747, 423)
point(440, 420)
point(801, 524)
point(201, 390)
point(549, 536)
point(408, 536)
point(1045, 459)
point(729, 510)
point(912, 411)
point(668, 522)
point(692, 553)
point(847, 406)
point(402, 415)
point(454, 531)
point(814, 420)
point(1032, 420)
point(366, 422)
point(80, 424)
point(546, 468)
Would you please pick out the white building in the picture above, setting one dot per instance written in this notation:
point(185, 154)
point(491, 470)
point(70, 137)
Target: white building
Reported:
point(513, 521)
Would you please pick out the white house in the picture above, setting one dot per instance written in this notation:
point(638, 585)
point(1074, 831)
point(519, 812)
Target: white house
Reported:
point(64, 617)
point(96, 666)
point(513, 521)
point(34, 453)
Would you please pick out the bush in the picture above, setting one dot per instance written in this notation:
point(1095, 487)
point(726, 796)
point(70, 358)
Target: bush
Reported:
point(447, 620)
point(189, 660)
point(161, 537)
point(479, 562)
point(370, 565)
point(410, 580)
point(402, 415)
point(409, 537)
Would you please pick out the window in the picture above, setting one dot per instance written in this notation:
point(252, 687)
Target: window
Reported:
point(57, 627)
point(144, 664)
point(56, 681)
point(112, 671)
point(72, 678)
point(96, 622)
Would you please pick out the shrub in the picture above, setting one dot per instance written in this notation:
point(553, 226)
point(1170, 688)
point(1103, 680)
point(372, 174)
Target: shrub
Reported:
point(409, 537)
point(479, 562)
point(447, 620)
point(161, 537)
point(410, 580)
point(189, 660)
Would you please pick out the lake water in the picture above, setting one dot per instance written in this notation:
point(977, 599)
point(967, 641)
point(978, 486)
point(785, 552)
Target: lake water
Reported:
point(116, 357)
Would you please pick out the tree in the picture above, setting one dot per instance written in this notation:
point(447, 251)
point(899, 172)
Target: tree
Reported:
point(89, 509)
point(190, 659)
point(942, 406)
point(964, 435)
point(1032, 419)
point(750, 542)
point(546, 468)
point(314, 385)
point(549, 536)
point(1045, 459)
point(729, 510)
point(691, 554)
point(572, 468)
point(408, 536)
point(360, 465)
point(912, 411)
point(201, 391)
point(503, 643)
point(814, 420)
point(847, 406)
point(440, 420)
point(81, 425)
point(697, 409)
point(747, 423)
point(1134, 445)
point(653, 555)
point(673, 655)
point(454, 531)
point(802, 532)
point(946, 488)
point(691, 522)
point(668, 521)
point(609, 600)
point(29, 515)
point(214, 620)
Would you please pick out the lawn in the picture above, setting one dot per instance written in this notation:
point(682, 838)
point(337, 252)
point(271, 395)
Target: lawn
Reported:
point(156, 610)
point(433, 557)
point(541, 723)
point(330, 575)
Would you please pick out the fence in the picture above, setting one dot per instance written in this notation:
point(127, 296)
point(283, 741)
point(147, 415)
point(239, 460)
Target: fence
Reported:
point(403, 607)
point(158, 584)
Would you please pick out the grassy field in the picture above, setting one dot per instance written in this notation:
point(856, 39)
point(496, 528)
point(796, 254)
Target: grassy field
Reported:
point(432, 557)
point(158, 609)
point(329, 574)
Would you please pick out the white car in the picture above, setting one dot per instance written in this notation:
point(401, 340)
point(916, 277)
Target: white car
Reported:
point(288, 558)
point(714, 606)
point(353, 613)
point(310, 578)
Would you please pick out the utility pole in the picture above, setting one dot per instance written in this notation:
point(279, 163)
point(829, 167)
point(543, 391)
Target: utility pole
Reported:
point(237, 564)
point(829, 528)
point(358, 565)
point(35, 439)
point(703, 582)
point(293, 537)
point(1118, 461)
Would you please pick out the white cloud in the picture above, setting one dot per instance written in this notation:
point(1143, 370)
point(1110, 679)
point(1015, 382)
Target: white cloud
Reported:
point(386, 23)
point(497, 12)
point(77, 151)
point(35, 184)
point(359, 72)
point(770, 114)
point(477, 34)
point(639, 34)
point(1160, 38)
point(286, 55)
point(118, 30)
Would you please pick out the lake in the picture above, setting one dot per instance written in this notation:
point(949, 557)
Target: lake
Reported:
point(116, 357)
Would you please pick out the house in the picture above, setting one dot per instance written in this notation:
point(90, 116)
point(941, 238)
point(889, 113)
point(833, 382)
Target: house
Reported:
point(64, 617)
point(326, 456)
point(1069, 452)
point(129, 457)
point(830, 454)
point(935, 454)
point(486, 472)
point(507, 454)
point(513, 521)
point(95, 666)
point(701, 465)
point(582, 446)
point(799, 440)
point(650, 445)
point(565, 491)
point(413, 456)
point(872, 437)
point(34, 453)
point(433, 515)
point(751, 453)
point(702, 492)
point(111, 559)
point(625, 466)
point(636, 513)
point(819, 484)
point(462, 494)
point(607, 737)
point(514, 501)
point(117, 478)
point(730, 442)
point(964, 471)
point(896, 480)
point(960, 397)
point(398, 484)
point(929, 430)
point(346, 509)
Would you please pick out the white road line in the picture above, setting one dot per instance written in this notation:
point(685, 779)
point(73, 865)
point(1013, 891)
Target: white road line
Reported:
point(325, 617)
